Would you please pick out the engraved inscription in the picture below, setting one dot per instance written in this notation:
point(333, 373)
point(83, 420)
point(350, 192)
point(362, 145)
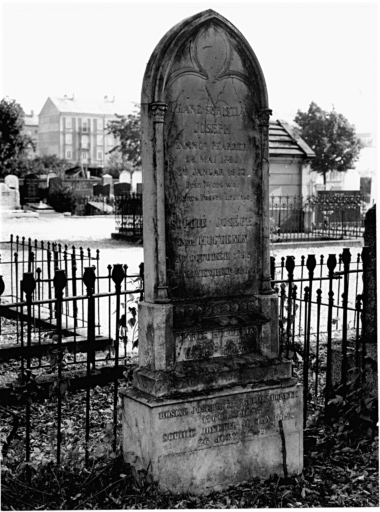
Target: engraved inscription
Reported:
point(212, 155)
point(232, 419)
point(214, 343)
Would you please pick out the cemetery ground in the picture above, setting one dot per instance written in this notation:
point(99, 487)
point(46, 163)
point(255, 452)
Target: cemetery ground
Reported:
point(341, 447)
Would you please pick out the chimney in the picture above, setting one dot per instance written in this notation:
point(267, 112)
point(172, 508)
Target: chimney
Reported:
point(31, 113)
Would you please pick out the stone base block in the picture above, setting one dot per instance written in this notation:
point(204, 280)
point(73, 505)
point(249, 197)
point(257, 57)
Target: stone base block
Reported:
point(206, 443)
point(211, 374)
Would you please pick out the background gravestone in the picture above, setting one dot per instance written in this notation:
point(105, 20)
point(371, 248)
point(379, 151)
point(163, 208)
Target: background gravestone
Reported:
point(122, 188)
point(125, 177)
point(9, 198)
point(49, 177)
point(12, 181)
point(31, 189)
point(107, 182)
point(55, 184)
point(212, 402)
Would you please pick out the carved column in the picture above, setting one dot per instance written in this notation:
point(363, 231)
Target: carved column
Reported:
point(264, 116)
point(157, 111)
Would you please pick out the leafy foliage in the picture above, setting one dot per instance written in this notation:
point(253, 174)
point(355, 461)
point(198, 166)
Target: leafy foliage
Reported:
point(62, 199)
point(13, 143)
point(127, 130)
point(49, 163)
point(116, 164)
point(332, 138)
point(354, 409)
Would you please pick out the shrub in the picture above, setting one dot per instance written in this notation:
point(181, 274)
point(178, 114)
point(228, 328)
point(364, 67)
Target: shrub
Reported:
point(62, 199)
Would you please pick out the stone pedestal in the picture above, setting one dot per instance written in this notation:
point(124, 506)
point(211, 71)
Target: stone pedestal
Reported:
point(199, 444)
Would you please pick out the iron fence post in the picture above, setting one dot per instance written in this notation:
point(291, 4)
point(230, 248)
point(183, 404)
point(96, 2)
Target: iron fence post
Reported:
point(2, 288)
point(305, 361)
point(89, 281)
point(346, 258)
point(118, 275)
point(319, 301)
point(59, 282)
point(331, 264)
point(28, 285)
point(365, 260)
point(357, 340)
point(290, 268)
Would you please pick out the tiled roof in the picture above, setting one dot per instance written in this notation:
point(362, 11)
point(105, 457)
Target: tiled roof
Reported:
point(88, 106)
point(30, 120)
point(283, 141)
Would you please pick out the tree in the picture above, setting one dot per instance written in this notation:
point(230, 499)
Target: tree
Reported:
point(49, 163)
point(116, 164)
point(13, 143)
point(332, 138)
point(127, 129)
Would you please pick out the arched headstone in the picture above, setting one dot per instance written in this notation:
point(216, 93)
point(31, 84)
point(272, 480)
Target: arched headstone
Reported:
point(12, 181)
point(125, 177)
point(209, 317)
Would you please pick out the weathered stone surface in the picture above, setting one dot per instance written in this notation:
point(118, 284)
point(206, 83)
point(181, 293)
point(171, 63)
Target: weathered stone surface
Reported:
point(370, 313)
point(156, 337)
point(9, 198)
point(12, 181)
point(211, 374)
point(210, 442)
point(209, 321)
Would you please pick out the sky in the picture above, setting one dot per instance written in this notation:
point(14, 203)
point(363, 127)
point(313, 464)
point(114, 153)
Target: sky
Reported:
point(320, 51)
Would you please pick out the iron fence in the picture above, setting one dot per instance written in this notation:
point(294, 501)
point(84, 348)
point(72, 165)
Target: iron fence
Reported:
point(128, 215)
point(321, 305)
point(57, 358)
point(318, 217)
point(320, 318)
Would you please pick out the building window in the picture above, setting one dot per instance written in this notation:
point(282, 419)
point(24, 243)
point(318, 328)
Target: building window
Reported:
point(68, 124)
point(99, 140)
point(110, 140)
point(68, 153)
point(68, 138)
point(100, 125)
point(85, 141)
point(84, 126)
point(84, 156)
point(100, 155)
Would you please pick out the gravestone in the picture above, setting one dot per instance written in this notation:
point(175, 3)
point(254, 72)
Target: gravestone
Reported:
point(31, 189)
point(107, 181)
point(55, 184)
point(50, 176)
point(212, 403)
point(125, 177)
point(12, 182)
point(9, 197)
point(121, 188)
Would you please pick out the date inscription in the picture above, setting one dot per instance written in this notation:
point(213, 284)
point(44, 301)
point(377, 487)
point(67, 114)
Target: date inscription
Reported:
point(233, 419)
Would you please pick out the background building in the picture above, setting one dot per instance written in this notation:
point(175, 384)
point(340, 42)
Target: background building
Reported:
point(75, 129)
point(31, 128)
point(290, 158)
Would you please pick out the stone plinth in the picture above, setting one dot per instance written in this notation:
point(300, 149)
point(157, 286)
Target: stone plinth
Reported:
point(204, 443)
